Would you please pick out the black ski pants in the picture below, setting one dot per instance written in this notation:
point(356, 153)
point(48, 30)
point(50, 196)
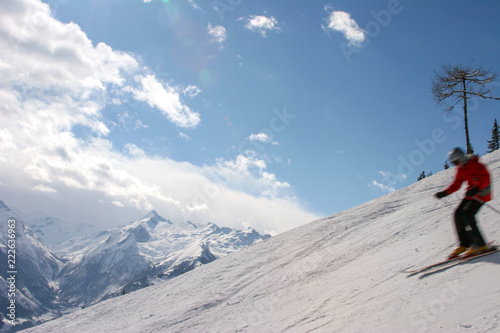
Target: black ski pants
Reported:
point(466, 225)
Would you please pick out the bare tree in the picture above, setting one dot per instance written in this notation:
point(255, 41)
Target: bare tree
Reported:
point(461, 83)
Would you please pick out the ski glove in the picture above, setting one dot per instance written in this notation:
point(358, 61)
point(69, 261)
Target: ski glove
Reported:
point(441, 194)
point(472, 192)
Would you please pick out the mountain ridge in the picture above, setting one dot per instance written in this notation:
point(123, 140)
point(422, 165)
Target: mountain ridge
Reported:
point(88, 269)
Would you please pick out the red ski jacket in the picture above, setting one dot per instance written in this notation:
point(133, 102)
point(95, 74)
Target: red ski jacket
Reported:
point(476, 175)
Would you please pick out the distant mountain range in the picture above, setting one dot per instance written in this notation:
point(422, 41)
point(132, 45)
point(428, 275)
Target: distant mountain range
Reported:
point(84, 270)
point(53, 231)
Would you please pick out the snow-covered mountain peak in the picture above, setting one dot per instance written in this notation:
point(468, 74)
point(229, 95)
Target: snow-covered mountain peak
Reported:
point(3, 207)
point(52, 231)
point(153, 226)
point(153, 218)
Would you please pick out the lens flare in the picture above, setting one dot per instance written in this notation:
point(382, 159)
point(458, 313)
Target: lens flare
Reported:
point(206, 77)
point(169, 15)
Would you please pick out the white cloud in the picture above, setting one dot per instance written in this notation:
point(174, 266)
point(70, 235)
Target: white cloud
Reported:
point(43, 188)
point(261, 24)
point(240, 60)
point(52, 78)
point(133, 150)
point(194, 4)
point(247, 174)
point(118, 204)
point(191, 91)
point(140, 124)
point(383, 187)
point(81, 75)
point(342, 22)
point(263, 138)
point(218, 34)
point(260, 137)
point(183, 136)
point(166, 99)
point(389, 180)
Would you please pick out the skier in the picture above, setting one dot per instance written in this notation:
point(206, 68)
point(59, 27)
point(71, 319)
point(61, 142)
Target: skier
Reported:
point(472, 171)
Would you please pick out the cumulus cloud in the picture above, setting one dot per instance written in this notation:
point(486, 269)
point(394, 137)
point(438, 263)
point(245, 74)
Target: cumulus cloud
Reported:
point(191, 91)
point(184, 136)
point(261, 24)
point(247, 173)
point(118, 204)
point(342, 22)
point(218, 34)
point(53, 79)
point(133, 150)
point(260, 137)
point(383, 187)
point(140, 124)
point(43, 188)
point(83, 76)
point(166, 99)
point(389, 181)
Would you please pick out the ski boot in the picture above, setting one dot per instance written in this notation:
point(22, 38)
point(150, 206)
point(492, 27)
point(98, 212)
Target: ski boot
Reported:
point(459, 250)
point(480, 249)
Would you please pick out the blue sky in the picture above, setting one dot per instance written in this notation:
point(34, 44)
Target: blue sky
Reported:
point(267, 114)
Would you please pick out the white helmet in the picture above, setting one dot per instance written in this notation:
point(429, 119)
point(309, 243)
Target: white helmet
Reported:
point(456, 155)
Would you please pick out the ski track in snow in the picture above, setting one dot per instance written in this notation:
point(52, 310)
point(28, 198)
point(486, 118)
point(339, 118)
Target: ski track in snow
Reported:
point(337, 274)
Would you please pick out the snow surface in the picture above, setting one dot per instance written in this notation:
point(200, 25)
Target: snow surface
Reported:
point(337, 274)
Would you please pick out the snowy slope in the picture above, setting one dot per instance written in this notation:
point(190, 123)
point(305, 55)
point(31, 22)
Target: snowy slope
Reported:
point(337, 274)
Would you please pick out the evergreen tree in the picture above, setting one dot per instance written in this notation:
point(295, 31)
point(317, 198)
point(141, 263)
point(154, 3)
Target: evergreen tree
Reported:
point(494, 143)
point(421, 176)
point(446, 165)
